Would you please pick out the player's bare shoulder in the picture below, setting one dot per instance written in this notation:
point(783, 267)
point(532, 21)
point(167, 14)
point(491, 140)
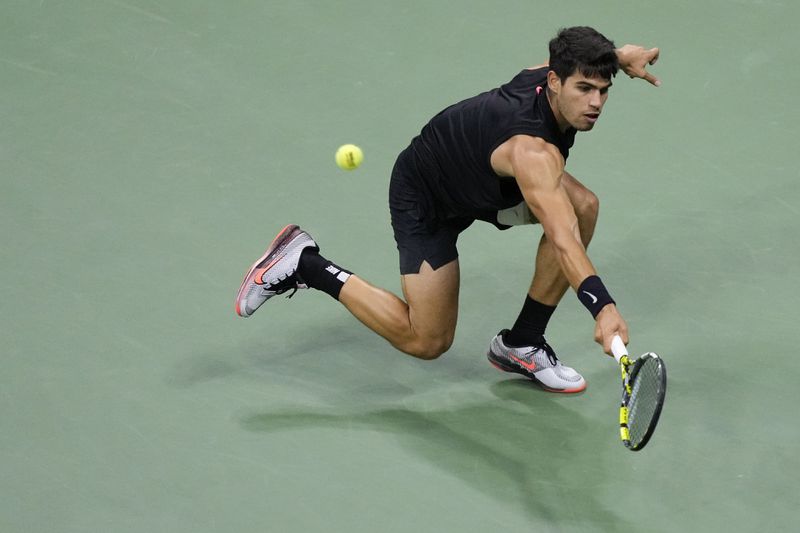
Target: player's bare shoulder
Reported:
point(526, 151)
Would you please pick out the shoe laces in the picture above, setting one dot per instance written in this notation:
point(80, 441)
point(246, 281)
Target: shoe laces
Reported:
point(547, 349)
point(287, 282)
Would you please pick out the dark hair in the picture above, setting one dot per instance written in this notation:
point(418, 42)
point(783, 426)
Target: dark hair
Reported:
point(585, 50)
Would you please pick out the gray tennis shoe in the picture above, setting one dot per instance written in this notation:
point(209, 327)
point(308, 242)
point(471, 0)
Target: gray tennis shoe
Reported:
point(537, 362)
point(275, 272)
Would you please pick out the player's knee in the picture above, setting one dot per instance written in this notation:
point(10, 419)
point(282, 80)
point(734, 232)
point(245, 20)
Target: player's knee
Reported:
point(432, 347)
point(588, 207)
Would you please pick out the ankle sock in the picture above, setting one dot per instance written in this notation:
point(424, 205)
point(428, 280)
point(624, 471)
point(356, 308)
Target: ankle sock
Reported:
point(531, 324)
point(319, 273)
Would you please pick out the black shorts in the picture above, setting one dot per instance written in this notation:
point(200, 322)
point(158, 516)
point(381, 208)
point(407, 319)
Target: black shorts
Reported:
point(419, 235)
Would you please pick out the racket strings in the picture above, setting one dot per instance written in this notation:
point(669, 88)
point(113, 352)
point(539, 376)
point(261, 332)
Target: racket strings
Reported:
point(644, 400)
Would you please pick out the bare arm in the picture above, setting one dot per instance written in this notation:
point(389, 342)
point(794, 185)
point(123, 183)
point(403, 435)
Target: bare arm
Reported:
point(538, 168)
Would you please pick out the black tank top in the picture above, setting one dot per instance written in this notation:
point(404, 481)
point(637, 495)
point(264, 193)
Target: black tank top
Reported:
point(452, 153)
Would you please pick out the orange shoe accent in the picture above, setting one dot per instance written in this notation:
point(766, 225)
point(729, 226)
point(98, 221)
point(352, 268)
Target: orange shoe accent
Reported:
point(257, 275)
point(566, 391)
point(531, 366)
point(259, 272)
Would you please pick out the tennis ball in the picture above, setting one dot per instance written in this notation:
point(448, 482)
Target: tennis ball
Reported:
point(349, 156)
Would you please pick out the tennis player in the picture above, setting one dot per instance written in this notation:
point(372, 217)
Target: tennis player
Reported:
point(497, 157)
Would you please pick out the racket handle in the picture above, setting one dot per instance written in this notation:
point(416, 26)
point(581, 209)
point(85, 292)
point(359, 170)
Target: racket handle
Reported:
point(618, 348)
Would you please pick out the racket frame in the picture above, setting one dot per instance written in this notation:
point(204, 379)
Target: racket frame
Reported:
point(629, 369)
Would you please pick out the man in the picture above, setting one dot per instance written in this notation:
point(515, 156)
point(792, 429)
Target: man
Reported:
point(497, 157)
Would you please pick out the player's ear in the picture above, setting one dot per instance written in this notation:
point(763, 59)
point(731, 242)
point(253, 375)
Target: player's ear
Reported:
point(553, 82)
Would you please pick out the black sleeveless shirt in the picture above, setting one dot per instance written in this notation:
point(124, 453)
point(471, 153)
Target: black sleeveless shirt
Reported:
point(452, 153)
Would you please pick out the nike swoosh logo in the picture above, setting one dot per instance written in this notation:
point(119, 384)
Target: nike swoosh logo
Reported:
point(529, 365)
point(592, 296)
point(258, 273)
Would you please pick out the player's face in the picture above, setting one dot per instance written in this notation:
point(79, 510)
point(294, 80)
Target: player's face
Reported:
point(578, 100)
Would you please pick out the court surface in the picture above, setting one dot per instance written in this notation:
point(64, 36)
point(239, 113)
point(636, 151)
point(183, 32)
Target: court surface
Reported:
point(151, 150)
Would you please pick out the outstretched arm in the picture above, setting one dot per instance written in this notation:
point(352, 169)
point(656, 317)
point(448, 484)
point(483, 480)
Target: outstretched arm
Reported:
point(538, 169)
point(633, 60)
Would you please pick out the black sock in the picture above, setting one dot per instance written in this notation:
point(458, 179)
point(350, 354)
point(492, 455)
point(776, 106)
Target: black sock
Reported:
point(530, 325)
point(319, 273)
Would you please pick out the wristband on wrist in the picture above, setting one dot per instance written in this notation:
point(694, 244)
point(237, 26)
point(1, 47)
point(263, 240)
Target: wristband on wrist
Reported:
point(594, 295)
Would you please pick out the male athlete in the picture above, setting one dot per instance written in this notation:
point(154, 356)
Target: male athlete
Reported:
point(497, 157)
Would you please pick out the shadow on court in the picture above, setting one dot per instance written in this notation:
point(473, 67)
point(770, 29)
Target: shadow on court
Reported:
point(333, 359)
point(503, 447)
point(306, 357)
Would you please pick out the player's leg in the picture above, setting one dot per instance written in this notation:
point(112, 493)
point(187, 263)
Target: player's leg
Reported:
point(523, 348)
point(424, 324)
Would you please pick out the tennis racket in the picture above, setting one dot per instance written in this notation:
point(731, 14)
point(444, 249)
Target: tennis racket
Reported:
point(644, 387)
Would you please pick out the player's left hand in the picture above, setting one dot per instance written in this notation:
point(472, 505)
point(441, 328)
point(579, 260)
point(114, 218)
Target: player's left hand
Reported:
point(633, 61)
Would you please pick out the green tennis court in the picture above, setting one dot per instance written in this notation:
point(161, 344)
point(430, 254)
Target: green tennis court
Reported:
point(151, 150)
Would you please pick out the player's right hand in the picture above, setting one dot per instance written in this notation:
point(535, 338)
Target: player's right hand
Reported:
point(607, 324)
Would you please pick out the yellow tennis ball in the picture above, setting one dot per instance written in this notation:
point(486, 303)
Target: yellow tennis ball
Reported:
point(349, 156)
